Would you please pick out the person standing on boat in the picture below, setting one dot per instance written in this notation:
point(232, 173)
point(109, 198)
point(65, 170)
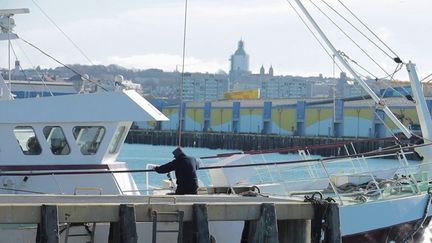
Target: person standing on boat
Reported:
point(185, 170)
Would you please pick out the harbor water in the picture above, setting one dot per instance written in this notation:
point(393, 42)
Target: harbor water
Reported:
point(138, 156)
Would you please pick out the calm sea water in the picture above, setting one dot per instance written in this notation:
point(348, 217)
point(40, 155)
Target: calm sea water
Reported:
point(138, 156)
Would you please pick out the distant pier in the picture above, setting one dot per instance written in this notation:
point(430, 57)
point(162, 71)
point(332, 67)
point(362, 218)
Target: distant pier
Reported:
point(324, 146)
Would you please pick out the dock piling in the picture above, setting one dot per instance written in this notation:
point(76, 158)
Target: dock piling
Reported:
point(200, 220)
point(124, 230)
point(263, 230)
point(48, 230)
point(294, 231)
point(333, 234)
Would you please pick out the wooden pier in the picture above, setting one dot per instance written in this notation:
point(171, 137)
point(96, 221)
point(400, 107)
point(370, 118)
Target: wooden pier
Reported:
point(265, 219)
point(248, 142)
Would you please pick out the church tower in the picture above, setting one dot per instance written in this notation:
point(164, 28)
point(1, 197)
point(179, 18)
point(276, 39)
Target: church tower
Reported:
point(239, 62)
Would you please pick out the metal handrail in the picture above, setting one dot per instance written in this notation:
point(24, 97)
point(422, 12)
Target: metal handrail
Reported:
point(365, 171)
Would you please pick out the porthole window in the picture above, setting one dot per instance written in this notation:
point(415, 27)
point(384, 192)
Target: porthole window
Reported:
point(56, 140)
point(27, 140)
point(88, 138)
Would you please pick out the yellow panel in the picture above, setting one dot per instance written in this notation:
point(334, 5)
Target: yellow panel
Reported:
point(220, 116)
point(243, 95)
point(227, 115)
point(196, 114)
point(247, 112)
point(364, 113)
point(412, 114)
point(406, 116)
point(315, 115)
point(367, 114)
point(284, 118)
point(152, 123)
point(169, 111)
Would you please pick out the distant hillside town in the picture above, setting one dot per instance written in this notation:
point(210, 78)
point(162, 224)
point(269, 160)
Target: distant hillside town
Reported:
point(239, 83)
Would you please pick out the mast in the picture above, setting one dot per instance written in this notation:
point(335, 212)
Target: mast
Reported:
point(362, 83)
point(423, 113)
point(7, 24)
point(182, 74)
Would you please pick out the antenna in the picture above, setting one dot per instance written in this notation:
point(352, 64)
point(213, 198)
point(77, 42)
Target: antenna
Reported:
point(7, 23)
point(13, 11)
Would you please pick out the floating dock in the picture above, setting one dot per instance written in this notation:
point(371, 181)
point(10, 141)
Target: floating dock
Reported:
point(265, 219)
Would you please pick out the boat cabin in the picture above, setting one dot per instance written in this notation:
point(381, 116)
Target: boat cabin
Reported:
point(70, 133)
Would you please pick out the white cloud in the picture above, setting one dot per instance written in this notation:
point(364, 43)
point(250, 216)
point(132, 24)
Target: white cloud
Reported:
point(148, 34)
point(166, 62)
point(384, 34)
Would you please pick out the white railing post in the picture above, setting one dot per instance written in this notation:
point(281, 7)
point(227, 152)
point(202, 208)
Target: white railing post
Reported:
point(331, 183)
point(147, 177)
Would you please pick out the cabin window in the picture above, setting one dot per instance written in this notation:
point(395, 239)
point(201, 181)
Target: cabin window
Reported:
point(56, 140)
point(88, 138)
point(27, 140)
point(115, 143)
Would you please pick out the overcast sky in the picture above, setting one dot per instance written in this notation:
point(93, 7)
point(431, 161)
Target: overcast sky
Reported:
point(148, 33)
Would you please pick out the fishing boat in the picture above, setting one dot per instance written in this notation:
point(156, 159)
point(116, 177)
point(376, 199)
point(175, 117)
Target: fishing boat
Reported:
point(376, 204)
point(61, 139)
point(52, 143)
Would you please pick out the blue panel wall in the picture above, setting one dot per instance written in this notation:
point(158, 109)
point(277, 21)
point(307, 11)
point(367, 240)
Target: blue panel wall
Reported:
point(301, 118)
point(236, 117)
point(182, 108)
point(267, 118)
point(338, 127)
point(380, 130)
point(207, 116)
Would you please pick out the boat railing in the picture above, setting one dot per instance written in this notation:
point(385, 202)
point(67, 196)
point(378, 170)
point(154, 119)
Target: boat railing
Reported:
point(373, 176)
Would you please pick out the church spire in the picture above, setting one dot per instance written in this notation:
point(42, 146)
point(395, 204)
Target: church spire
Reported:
point(262, 70)
point(271, 71)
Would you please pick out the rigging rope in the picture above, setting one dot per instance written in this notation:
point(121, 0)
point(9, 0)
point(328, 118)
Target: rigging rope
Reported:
point(398, 67)
point(315, 36)
point(420, 223)
point(351, 39)
point(16, 58)
point(358, 30)
point(40, 76)
point(319, 223)
point(397, 59)
point(332, 58)
point(64, 65)
point(67, 37)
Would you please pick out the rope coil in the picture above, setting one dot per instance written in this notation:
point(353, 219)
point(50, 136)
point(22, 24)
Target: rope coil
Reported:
point(319, 223)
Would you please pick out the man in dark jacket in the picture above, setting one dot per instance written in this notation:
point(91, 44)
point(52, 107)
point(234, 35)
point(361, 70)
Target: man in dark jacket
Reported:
point(185, 170)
